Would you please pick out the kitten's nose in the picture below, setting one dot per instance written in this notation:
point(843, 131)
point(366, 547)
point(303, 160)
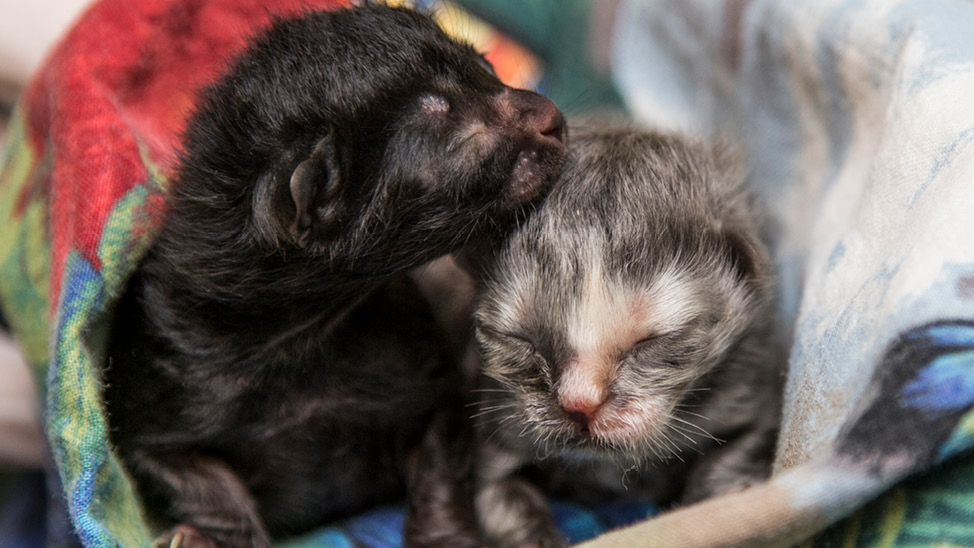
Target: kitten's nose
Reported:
point(582, 410)
point(536, 114)
point(582, 388)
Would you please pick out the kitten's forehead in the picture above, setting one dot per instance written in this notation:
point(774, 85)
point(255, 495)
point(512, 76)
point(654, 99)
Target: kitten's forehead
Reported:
point(611, 314)
point(571, 290)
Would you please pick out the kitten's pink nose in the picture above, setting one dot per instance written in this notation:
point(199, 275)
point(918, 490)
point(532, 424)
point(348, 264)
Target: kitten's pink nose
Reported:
point(582, 410)
point(583, 388)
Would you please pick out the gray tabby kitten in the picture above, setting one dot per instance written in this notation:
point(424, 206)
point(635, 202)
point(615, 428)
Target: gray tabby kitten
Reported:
point(624, 335)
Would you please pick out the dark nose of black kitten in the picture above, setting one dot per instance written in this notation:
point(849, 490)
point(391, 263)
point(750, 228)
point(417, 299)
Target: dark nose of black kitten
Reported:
point(539, 116)
point(538, 127)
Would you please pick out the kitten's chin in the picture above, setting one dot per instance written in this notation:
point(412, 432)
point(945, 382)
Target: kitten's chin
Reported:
point(585, 448)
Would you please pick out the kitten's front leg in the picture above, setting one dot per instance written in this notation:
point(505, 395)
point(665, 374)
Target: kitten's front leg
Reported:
point(440, 485)
point(211, 504)
point(513, 512)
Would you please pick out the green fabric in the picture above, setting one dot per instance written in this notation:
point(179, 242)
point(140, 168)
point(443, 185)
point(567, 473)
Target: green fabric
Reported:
point(24, 251)
point(558, 32)
point(933, 510)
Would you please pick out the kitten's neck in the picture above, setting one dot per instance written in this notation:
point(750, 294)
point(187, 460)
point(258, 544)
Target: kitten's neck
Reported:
point(199, 287)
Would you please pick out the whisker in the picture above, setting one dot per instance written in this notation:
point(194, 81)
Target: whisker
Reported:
point(699, 416)
point(672, 446)
point(488, 411)
point(694, 442)
point(682, 433)
point(699, 428)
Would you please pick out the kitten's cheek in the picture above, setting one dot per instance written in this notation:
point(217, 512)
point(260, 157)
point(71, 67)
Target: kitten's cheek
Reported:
point(614, 424)
point(622, 425)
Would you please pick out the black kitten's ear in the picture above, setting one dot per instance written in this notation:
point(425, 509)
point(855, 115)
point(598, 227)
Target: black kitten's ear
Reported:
point(314, 189)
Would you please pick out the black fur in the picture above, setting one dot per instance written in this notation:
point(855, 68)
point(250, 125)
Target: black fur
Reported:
point(271, 367)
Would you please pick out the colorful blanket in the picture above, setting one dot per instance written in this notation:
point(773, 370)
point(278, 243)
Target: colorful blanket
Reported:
point(91, 146)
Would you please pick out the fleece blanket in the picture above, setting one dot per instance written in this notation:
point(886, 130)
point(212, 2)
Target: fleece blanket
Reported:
point(858, 116)
point(91, 147)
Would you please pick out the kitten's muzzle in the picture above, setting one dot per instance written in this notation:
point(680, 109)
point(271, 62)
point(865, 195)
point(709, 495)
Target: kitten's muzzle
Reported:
point(542, 143)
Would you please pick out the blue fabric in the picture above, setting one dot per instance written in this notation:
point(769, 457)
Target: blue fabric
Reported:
point(382, 527)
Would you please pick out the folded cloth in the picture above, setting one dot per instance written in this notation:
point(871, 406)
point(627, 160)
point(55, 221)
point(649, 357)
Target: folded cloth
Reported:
point(91, 146)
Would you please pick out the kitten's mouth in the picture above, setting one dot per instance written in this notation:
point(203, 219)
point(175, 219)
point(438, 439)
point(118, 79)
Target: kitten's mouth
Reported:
point(539, 163)
point(610, 430)
point(589, 436)
point(584, 438)
point(534, 171)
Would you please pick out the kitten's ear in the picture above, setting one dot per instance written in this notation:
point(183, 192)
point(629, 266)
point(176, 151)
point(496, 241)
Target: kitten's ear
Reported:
point(731, 161)
point(314, 190)
point(750, 261)
point(748, 257)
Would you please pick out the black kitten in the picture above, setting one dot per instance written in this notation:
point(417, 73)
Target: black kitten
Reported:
point(271, 366)
point(624, 329)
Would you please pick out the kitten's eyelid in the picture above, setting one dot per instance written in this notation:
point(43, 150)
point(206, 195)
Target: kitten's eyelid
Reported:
point(525, 344)
point(507, 336)
point(639, 346)
point(519, 340)
point(647, 341)
point(653, 339)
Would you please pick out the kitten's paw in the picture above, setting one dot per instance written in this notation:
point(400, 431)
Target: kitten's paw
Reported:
point(188, 536)
point(552, 541)
point(184, 536)
point(514, 514)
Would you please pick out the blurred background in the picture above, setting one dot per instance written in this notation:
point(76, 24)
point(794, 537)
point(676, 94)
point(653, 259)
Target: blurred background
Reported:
point(28, 28)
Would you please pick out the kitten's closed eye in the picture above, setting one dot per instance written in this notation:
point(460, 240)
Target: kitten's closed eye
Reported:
point(647, 341)
point(651, 342)
point(435, 104)
point(644, 344)
point(522, 343)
